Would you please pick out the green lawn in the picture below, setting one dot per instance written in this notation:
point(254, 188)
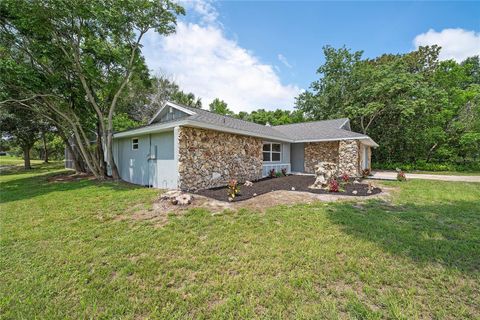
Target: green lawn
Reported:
point(449, 173)
point(64, 255)
point(10, 161)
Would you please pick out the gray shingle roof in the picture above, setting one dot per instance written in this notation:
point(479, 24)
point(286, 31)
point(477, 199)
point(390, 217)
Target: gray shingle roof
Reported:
point(326, 129)
point(336, 129)
point(205, 116)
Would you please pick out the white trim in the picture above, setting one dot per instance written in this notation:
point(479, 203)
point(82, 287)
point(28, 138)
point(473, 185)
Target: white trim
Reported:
point(173, 105)
point(271, 143)
point(176, 152)
point(150, 129)
point(371, 142)
point(347, 120)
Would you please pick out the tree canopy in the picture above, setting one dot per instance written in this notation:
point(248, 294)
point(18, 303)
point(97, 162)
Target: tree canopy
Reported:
point(416, 107)
point(76, 60)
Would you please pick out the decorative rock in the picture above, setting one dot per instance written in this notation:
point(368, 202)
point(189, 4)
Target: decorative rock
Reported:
point(248, 183)
point(254, 194)
point(324, 171)
point(184, 199)
point(370, 188)
point(293, 188)
point(177, 197)
point(354, 192)
point(172, 194)
point(230, 199)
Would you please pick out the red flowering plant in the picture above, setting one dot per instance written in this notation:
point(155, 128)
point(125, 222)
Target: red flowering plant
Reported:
point(345, 177)
point(401, 175)
point(333, 186)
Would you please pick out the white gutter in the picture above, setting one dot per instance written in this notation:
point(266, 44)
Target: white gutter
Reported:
point(150, 129)
point(370, 140)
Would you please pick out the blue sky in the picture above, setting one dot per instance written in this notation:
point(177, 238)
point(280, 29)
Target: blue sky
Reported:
point(262, 54)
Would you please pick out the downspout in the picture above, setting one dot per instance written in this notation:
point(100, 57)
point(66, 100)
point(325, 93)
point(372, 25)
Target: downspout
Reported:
point(149, 158)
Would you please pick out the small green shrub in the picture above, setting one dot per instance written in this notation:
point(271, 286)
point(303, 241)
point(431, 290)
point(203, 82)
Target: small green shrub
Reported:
point(272, 173)
point(430, 166)
point(233, 189)
point(365, 173)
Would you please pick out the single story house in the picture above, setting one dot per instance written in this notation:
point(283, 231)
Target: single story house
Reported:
point(190, 149)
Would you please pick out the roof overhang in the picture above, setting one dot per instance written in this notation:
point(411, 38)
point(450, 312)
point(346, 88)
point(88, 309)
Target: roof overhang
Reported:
point(365, 140)
point(161, 127)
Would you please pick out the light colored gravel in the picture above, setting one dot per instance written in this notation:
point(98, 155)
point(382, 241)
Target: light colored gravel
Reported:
point(392, 175)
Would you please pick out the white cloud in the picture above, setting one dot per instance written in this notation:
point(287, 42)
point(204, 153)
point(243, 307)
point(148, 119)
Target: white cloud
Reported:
point(202, 60)
point(457, 44)
point(284, 60)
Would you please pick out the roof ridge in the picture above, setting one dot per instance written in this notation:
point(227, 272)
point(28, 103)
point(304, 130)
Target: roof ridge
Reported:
point(226, 116)
point(297, 123)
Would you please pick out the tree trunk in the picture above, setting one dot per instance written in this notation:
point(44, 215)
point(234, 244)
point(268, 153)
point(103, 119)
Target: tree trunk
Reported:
point(78, 164)
point(26, 158)
point(100, 152)
point(113, 166)
point(45, 148)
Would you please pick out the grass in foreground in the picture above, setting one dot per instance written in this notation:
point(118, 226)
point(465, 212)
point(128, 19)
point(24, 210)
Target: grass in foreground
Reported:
point(449, 173)
point(64, 255)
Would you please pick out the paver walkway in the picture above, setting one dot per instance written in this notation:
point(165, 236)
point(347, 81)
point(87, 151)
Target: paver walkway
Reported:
point(392, 175)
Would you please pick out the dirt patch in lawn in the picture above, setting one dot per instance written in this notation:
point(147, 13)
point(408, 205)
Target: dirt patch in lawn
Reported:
point(67, 177)
point(288, 183)
point(161, 209)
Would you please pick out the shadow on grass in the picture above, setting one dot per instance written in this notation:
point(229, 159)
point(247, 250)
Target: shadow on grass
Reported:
point(38, 185)
point(36, 168)
point(443, 233)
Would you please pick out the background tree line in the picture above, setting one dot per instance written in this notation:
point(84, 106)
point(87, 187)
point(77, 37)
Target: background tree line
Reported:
point(419, 109)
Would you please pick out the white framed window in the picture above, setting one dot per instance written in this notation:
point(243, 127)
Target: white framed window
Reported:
point(272, 152)
point(134, 143)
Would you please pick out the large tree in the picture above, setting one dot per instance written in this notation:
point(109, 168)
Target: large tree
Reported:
point(21, 126)
point(95, 44)
point(220, 107)
point(415, 106)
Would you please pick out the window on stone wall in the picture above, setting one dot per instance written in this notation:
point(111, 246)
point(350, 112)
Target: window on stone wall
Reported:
point(271, 152)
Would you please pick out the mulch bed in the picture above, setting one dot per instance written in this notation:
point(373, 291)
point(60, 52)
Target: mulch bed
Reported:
point(300, 183)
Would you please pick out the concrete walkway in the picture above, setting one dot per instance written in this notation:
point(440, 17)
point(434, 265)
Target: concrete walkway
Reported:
point(392, 175)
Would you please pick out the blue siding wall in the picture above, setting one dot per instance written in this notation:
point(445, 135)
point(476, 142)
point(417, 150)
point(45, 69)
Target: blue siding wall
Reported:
point(145, 165)
point(297, 156)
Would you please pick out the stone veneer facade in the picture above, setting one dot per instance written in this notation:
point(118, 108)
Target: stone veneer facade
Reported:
point(209, 158)
point(346, 153)
point(316, 152)
point(349, 157)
